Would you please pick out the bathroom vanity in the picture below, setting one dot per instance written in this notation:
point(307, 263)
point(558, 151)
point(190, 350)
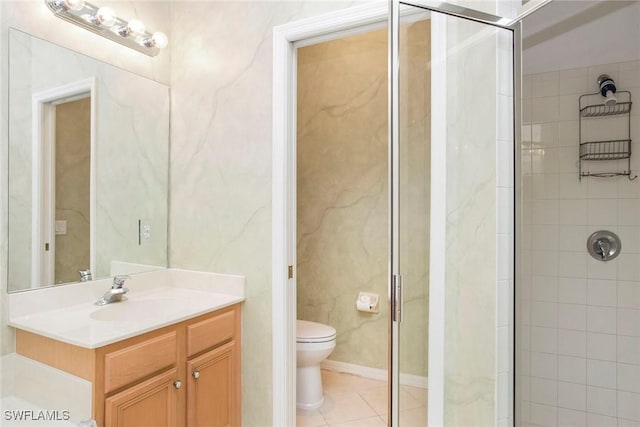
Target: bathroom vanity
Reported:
point(169, 355)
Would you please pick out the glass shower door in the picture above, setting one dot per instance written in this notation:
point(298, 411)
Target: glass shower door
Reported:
point(451, 156)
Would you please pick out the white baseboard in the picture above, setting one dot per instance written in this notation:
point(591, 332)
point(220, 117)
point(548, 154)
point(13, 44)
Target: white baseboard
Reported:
point(372, 373)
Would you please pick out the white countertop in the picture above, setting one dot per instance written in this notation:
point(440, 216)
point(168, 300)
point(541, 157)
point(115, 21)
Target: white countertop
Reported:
point(154, 300)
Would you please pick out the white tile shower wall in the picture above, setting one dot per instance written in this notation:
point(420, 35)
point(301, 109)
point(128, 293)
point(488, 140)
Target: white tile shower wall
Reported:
point(580, 318)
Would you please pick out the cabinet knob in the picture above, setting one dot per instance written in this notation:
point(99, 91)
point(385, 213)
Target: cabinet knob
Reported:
point(177, 383)
point(196, 374)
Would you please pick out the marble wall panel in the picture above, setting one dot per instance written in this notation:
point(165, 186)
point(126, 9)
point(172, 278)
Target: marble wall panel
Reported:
point(73, 169)
point(342, 191)
point(471, 276)
point(221, 81)
point(343, 245)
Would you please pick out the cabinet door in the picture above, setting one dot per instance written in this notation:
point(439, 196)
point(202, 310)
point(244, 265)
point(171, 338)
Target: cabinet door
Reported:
point(212, 386)
point(152, 403)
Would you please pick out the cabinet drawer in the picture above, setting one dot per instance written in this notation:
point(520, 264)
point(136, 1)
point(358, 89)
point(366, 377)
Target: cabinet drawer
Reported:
point(210, 332)
point(137, 361)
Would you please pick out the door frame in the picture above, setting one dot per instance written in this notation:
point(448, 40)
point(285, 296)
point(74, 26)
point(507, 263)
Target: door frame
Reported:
point(284, 189)
point(43, 187)
point(284, 192)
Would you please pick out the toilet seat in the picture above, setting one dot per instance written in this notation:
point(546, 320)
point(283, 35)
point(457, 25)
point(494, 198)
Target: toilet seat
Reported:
point(312, 332)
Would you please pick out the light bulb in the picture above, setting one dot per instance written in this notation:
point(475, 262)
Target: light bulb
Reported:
point(159, 40)
point(74, 4)
point(135, 27)
point(106, 16)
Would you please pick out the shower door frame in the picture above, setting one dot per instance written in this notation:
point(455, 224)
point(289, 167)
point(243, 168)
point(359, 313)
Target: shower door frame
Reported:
point(284, 184)
point(436, 334)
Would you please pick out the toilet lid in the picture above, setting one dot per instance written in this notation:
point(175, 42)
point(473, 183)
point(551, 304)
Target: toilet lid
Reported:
point(314, 332)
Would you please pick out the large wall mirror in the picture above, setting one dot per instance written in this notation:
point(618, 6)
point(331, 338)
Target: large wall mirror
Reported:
point(88, 167)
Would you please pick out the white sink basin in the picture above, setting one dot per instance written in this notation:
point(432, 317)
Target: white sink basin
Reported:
point(129, 310)
point(90, 326)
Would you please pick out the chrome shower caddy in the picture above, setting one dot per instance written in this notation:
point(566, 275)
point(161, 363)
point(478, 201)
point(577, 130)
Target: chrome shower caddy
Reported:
point(591, 106)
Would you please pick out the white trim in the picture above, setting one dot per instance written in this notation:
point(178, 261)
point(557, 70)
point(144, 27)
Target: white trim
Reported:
point(283, 190)
point(93, 173)
point(395, 279)
point(40, 109)
point(459, 11)
point(437, 259)
point(340, 34)
point(373, 373)
point(47, 178)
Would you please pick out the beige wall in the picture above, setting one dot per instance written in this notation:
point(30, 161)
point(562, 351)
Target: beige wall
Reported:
point(478, 244)
point(73, 165)
point(415, 193)
point(221, 113)
point(342, 229)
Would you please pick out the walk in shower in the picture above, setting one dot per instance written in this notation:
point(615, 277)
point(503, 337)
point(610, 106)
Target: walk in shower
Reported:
point(578, 288)
point(449, 219)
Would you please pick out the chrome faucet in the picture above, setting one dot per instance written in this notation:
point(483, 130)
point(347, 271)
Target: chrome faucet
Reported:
point(116, 293)
point(85, 275)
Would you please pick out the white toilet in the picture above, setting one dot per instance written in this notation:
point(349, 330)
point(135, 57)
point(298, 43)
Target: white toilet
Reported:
point(315, 342)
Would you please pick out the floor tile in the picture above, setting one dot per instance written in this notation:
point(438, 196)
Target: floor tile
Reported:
point(351, 400)
point(345, 406)
point(414, 417)
point(336, 382)
point(309, 419)
point(418, 393)
point(377, 399)
point(365, 422)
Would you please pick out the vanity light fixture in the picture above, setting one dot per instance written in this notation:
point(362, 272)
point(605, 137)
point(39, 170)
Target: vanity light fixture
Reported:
point(105, 21)
point(105, 16)
point(133, 28)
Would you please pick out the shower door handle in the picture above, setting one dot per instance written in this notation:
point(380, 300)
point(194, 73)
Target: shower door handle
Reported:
point(396, 298)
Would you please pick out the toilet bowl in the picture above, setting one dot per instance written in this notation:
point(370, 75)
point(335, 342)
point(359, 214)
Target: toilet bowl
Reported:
point(314, 343)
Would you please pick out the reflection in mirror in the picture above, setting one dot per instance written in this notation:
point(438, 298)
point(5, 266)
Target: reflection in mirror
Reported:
point(72, 147)
point(88, 167)
point(66, 216)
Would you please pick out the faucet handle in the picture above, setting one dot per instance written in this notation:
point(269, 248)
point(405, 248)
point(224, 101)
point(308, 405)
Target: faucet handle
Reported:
point(118, 281)
point(85, 275)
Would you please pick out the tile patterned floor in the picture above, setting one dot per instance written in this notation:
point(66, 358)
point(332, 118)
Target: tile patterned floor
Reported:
point(355, 401)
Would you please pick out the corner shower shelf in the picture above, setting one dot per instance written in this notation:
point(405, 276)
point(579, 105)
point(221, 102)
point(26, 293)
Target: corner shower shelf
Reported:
point(615, 149)
point(600, 110)
point(605, 150)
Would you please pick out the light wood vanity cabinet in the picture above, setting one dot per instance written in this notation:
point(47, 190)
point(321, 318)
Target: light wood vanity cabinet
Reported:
point(211, 387)
point(183, 375)
point(153, 402)
point(213, 393)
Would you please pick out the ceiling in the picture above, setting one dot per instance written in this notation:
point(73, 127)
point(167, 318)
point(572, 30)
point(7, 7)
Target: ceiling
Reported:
point(571, 33)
